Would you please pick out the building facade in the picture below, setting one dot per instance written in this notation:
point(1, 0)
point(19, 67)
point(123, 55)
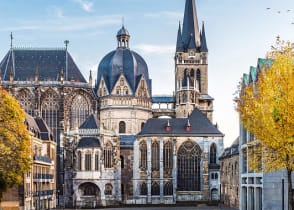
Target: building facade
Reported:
point(259, 190)
point(229, 175)
point(112, 145)
point(38, 190)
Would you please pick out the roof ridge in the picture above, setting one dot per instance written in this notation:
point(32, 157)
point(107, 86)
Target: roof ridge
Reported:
point(39, 48)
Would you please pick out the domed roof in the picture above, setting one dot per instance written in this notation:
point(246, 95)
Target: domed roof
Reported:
point(123, 61)
point(123, 32)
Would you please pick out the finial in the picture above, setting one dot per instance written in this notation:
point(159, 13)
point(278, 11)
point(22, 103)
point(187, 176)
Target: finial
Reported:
point(61, 76)
point(37, 74)
point(11, 39)
point(66, 42)
point(90, 78)
point(123, 21)
point(168, 127)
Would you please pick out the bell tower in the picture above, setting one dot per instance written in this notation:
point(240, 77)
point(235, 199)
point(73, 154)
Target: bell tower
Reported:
point(191, 81)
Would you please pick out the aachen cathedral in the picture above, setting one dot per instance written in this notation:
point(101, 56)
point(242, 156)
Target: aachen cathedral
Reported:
point(113, 144)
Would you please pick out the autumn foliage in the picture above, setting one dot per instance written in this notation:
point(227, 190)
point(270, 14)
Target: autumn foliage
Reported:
point(14, 142)
point(266, 108)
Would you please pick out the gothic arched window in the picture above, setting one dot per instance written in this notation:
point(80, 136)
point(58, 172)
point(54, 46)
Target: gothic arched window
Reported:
point(88, 162)
point(108, 189)
point(96, 161)
point(108, 160)
point(26, 101)
point(198, 78)
point(79, 161)
point(212, 153)
point(167, 156)
point(168, 189)
point(189, 157)
point(143, 189)
point(50, 111)
point(155, 189)
point(122, 127)
point(143, 156)
point(79, 110)
point(191, 78)
point(185, 78)
point(155, 156)
point(122, 163)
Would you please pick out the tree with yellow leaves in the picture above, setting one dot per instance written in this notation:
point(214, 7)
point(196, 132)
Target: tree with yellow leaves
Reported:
point(266, 108)
point(14, 142)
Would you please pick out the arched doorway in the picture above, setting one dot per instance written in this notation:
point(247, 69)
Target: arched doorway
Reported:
point(89, 195)
point(189, 157)
point(214, 194)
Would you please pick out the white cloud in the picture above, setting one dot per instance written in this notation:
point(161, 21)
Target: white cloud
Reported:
point(86, 5)
point(65, 24)
point(155, 49)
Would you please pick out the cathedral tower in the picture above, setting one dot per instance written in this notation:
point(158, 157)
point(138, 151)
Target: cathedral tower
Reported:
point(191, 79)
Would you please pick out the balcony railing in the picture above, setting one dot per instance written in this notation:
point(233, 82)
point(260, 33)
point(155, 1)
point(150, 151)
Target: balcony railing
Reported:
point(43, 176)
point(43, 159)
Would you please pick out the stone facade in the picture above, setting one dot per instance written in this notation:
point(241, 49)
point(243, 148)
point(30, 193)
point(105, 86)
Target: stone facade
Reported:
point(229, 175)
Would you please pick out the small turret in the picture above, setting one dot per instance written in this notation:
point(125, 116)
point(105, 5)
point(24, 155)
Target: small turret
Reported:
point(180, 46)
point(11, 75)
point(37, 75)
point(123, 37)
point(203, 47)
point(192, 44)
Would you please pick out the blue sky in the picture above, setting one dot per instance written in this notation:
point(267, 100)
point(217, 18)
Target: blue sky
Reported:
point(238, 32)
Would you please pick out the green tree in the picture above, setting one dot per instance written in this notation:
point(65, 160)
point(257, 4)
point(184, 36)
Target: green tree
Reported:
point(14, 142)
point(266, 109)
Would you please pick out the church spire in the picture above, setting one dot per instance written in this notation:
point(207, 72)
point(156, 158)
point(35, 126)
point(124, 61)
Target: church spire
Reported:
point(180, 47)
point(190, 25)
point(203, 47)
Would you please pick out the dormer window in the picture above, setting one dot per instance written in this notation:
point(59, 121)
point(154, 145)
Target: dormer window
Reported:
point(191, 53)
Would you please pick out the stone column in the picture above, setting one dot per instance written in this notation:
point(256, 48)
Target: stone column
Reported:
point(161, 168)
point(149, 170)
point(174, 170)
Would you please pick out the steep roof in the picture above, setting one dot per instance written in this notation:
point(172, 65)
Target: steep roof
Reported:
point(45, 132)
point(232, 150)
point(200, 126)
point(190, 24)
point(50, 62)
point(203, 47)
point(90, 123)
point(89, 142)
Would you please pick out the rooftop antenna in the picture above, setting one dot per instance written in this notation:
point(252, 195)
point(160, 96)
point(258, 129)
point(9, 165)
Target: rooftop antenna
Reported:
point(66, 42)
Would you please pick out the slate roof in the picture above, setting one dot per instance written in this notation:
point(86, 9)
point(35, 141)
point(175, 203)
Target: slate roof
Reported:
point(39, 127)
point(232, 150)
point(45, 131)
point(205, 97)
point(90, 123)
point(127, 141)
point(163, 99)
point(123, 31)
point(203, 47)
point(50, 62)
point(89, 142)
point(126, 62)
point(200, 126)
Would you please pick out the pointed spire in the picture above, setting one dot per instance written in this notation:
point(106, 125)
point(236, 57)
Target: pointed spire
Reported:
point(37, 74)
point(11, 40)
point(180, 46)
point(190, 24)
point(203, 47)
point(90, 79)
point(192, 44)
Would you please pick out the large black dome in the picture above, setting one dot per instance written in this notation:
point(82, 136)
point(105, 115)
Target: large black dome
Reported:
point(123, 61)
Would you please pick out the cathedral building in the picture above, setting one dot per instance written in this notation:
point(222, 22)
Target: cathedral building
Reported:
point(114, 143)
